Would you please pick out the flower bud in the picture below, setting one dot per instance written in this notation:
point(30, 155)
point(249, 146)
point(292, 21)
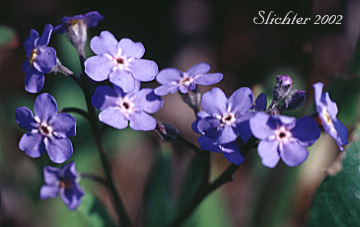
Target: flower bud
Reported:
point(295, 100)
point(167, 133)
point(282, 87)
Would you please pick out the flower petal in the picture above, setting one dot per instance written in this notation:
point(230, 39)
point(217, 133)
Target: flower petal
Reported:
point(268, 152)
point(45, 37)
point(32, 144)
point(123, 79)
point(46, 59)
point(214, 102)
point(51, 175)
point(143, 70)
point(200, 68)
point(34, 80)
point(147, 99)
point(262, 125)
point(131, 49)
point(49, 191)
point(169, 75)
point(241, 100)
point(226, 134)
point(92, 18)
point(98, 68)
point(25, 118)
point(31, 42)
point(72, 197)
point(261, 102)
point(165, 89)
point(58, 149)
point(331, 105)
point(306, 130)
point(45, 107)
point(293, 153)
point(64, 125)
point(104, 97)
point(209, 126)
point(341, 135)
point(106, 43)
point(231, 152)
point(208, 144)
point(114, 117)
point(142, 121)
point(208, 79)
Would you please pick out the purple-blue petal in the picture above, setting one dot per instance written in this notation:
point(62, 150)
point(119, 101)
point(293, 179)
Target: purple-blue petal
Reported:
point(306, 130)
point(142, 121)
point(64, 125)
point(46, 59)
point(331, 105)
point(104, 97)
point(341, 137)
point(199, 116)
point(166, 88)
point(123, 79)
point(262, 125)
point(231, 152)
point(209, 127)
point(32, 144)
point(45, 37)
point(208, 78)
point(34, 80)
point(31, 41)
point(147, 99)
point(244, 130)
point(143, 70)
point(72, 196)
point(131, 49)
point(200, 68)
point(92, 18)
point(169, 75)
point(293, 153)
point(105, 43)
point(45, 107)
point(214, 102)
point(226, 134)
point(51, 175)
point(58, 149)
point(241, 100)
point(268, 152)
point(261, 102)
point(49, 191)
point(114, 117)
point(25, 118)
point(208, 144)
point(98, 68)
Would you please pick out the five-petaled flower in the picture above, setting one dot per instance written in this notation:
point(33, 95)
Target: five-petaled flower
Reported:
point(47, 130)
point(226, 117)
point(63, 182)
point(172, 80)
point(76, 28)
point(327, 111)
point(40, 59)
point(119, 62)
point(283, 137)
point(118, 108)
point(231, 151)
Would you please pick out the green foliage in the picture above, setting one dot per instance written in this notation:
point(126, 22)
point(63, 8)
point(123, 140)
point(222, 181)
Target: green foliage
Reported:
point(337, 200)
point(158, 199)
point(7, 35)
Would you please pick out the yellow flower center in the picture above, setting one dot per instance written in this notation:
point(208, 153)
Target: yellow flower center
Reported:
point(327, 118)
point(33, 55)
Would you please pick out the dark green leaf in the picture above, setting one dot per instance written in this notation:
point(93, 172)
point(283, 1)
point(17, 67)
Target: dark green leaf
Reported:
point(337, 200)
point(158, 199)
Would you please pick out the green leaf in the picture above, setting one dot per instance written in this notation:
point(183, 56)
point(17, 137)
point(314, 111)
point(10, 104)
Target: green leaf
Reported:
point(345, 92)
point(158, 199)
point(7, 35)
point(337, 200)
point(94, 211)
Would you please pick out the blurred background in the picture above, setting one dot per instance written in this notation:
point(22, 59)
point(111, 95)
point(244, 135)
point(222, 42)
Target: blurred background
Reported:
point(179, 34)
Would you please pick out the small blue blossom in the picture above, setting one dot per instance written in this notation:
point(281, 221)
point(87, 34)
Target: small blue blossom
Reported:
point(119, 108)
point(327, 111)
point(231, 151)
point(120, 62)
point(47, 130)
point(63, 182)
point(227, 118)
point(173, 80)
point(283, 137)
point(40, 59)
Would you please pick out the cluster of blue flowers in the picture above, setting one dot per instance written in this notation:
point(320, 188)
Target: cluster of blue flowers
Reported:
point(224, 124)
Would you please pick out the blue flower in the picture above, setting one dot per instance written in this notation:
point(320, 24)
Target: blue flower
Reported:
point(120, 62)
point(327, 111)
point(63, 182)
point(227, 118)
point(118, 108)
point(283, 137)
point(40, 59)
point(47, 130)
point(173, 80)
